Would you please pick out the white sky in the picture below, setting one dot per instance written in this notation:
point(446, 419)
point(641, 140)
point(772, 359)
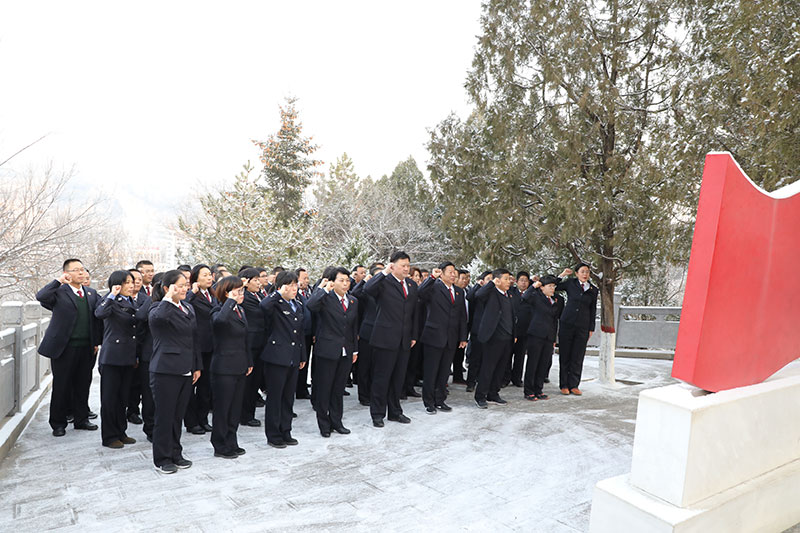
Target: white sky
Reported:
point(144, 96)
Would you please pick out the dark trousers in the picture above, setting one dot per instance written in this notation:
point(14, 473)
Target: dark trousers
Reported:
point(135, 394)
point(388, 379)
point(251, 384)
point(115, 386)
point(330, 382)
point(436, 362)
point(495, 358)
point(571, 349)
point(414, 367)
point(475, 360)
point(281, 382)
point(148, 407)
point(516, 362)
point(201, 398)
point(171, 396)
point(540, 355)
point(302, 374)
point(228, 392)
point(365, 370)
point(458, 365)
point(72, 377)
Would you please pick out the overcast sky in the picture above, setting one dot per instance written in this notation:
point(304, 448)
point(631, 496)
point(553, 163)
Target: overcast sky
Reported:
point(143, 97)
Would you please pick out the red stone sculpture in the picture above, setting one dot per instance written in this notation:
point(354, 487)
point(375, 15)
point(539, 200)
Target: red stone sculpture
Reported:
point(740, 321)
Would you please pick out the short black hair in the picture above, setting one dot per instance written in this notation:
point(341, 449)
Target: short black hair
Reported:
point(143, 262)
point(329, 272)
point(244, 267)
point(357, 267)
point(375, 264)
point(184, 268)
point(484, 274)
point(278, 269)
point(462, 271)
point(340, 270)
point(261, 269)
point(68, 261)
point(496, 273)
point(134, 270)
point(248, 273)
point(285, 277)
point(523, 273)
point(118, 277)
point(424, 270)
point(374, 268)
point(581, 265)
point(446, 264)
point(298, 270)
point(398, 255)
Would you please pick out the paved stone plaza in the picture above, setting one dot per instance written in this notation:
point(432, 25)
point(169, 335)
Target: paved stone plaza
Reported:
point(528, 466)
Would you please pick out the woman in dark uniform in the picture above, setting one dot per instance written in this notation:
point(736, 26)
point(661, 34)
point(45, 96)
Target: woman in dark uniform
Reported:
point(230, 363)
point(203, 301)
point(255, 342)
point(175, 366)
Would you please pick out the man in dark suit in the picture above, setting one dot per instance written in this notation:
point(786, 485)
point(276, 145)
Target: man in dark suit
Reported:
point(336, 348)
point(148, 271)
point(544, 309)
point(462, 282)
point(303, 294)
point(367, 309)
point(283, 355)
point(513, 373)
point(445, 330)
point(496, 335)
point(475, 348)
point(393, 335)
point(70, 343)
point(576, 326)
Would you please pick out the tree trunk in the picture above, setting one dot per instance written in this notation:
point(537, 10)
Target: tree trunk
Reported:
point(608, 333)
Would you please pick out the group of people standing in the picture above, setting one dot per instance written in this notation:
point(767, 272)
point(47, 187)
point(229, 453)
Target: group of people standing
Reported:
point(197, 344)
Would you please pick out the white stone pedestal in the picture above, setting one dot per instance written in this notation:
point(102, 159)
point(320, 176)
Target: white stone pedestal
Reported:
point(724, 462)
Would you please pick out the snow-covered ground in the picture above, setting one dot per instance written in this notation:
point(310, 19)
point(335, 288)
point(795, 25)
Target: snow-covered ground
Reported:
point(527, 466)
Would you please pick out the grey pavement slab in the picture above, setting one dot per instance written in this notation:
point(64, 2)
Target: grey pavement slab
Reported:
point(527, 466)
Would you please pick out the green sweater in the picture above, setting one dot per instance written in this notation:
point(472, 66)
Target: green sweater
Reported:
point(81, 331)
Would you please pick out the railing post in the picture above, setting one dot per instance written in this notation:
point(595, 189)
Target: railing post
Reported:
point(33, 314)
point(12, 317)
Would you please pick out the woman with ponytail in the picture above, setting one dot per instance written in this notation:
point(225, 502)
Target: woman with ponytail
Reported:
point(175, 366)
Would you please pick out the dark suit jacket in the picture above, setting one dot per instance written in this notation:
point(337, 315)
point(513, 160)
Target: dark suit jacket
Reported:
point(492, 308)
point(446, 321)
point(256, 332)
point(60, 300)
point(231, 354)
point(396, 322)
point(543, 315)
point(581, 308)
point(367, 309)
point(285, 344)
point(143, 337)
point(203, 307)
point(175, 345)
point(475, 311)
point(121, 319)
point(336, 329)
point(308, 318)
point(521, 312)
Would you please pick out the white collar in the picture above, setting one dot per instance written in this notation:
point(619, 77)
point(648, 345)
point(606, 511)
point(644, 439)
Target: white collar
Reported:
point(81, 288)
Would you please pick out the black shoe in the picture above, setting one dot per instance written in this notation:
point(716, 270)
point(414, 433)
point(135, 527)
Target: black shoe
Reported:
point(168, 468)
point(226, 455)
point(303, 395)
point(470, 388)
point(92, 415)
point(342, 430)
point(531, 397)
point(403, 419)
point(183, 463)
point(127, 440)
point(149, 438)
point(253, 423)
point(517, 383)
point(444, 407)
point(116, 444)
point(547, 380)
point(294, 415)
point(413, 393)
point(59, 432)
point(431, 410)
point(504, 384)
point(364, 403)
point(276, 443)
point(349, 384)
point(418, 383)
point(325, 434)
point(206, 426)
point(459, 381)
point(70, 419)
point(377, 422)
point(289, 441)
point(133, 418)
point(240, 451)
point(86, 425)
point(542, 396)
point(404, 396)
point(347, 393)
point(260, 401)
point(482, 404)
point(498, 400)
point(196, 430)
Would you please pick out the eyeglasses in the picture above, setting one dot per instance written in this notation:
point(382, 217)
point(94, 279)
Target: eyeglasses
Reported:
point(77, 270)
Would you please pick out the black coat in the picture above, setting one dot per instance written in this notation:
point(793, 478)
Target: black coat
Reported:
point(203, 309)
point(521, 312)
point(308, 318)
point(396, 323)
point(336, 329)
point(60, 299)
point(580, 310)
point(175, 345)
point(256, 333)
point(367, 310)
point(475, 310)
point(231, 354)
point(445, 320)
point(543, 315)
point(285, 345)
point(121, 320)
point(491, 298)
point(143, 337)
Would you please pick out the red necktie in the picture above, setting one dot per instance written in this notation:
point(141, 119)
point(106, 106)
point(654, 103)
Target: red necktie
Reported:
point(344, 306)
point(208, 296)
point(405, 292)
point(147, 290)
point(237, 311)
point(80, 294)
point(452, 299)
point(185, 311)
